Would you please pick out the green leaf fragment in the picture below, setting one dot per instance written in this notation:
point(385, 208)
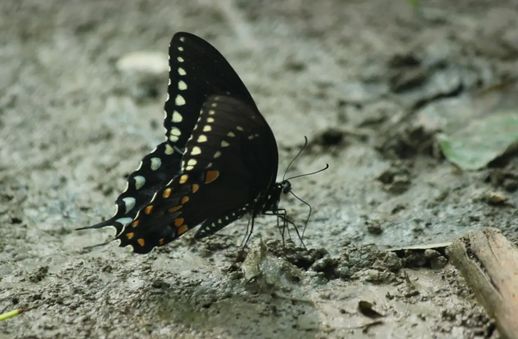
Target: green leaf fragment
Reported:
point(481, 141)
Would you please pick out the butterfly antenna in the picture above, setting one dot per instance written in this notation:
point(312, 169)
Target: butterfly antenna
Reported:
point(309, 213)
point(310, 173)
point(296, 157)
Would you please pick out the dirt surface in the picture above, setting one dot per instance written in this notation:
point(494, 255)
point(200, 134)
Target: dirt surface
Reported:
point(356, 77)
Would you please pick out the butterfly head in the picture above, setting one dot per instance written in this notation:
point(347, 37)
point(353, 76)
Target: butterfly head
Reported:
point(285, 186)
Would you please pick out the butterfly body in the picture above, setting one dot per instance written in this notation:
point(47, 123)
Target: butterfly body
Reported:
point(218, 163)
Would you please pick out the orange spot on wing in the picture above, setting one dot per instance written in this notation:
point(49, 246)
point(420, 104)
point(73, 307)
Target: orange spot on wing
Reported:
point(161, 241)
point(141, 242)
point(182, 229)
point(167, 193)
point(183, 178)
point(135, 223)
point(148, 209)
point(130, 235)
point(210, 176)
point(178, 222)
point(195, 188)
point(174, 209)
point(184, 199)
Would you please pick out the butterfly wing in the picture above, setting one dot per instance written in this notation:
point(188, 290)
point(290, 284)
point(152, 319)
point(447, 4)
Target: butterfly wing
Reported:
point(154, 171)
point(196, 71)
point(230, 161)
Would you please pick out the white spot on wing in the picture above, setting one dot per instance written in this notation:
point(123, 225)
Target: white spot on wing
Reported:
point(191, 162)
point(168, 149)
point(176, 131)
point(202, 138)
point(217, 154)
point(210, 120)
point(124, 221)
point(173, 138)
point(177, 117)
point(129, 203)
point(180, 59)
point(224, 143)
point(181, 71)
point(139, 181)
point(182, 86)
point(179, 101)
point(207, 128)
point(231, 134)
point(196, 150)
point(155, 163)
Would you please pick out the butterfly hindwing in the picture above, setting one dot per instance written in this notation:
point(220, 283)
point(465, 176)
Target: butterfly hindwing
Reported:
point(155, 170)
point(216, 182)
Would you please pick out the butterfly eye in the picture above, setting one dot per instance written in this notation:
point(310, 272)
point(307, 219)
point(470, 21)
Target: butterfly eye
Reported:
point(286, 186)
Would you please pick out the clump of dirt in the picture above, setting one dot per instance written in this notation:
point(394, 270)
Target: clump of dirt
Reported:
point(396, 179)
point(504, 178)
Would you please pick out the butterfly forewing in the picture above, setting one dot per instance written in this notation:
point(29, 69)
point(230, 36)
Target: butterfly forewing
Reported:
point(197, 71)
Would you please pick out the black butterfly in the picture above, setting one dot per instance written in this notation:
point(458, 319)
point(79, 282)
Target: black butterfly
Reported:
point(219, 160)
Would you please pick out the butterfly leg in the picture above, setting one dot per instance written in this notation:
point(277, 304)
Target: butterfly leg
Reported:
point(281, 213)
point(281, 230)
point(249, 231)
point(252, 221)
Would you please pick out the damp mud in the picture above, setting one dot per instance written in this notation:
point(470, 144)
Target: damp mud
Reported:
point(371, 84)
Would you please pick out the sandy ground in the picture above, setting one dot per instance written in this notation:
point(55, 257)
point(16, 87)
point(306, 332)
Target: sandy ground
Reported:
point(358, 78)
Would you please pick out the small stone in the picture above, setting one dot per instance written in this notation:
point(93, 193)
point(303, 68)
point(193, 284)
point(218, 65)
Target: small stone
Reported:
point(392, 262)
point(495, 198)
point(327, 266)
point(331, 137)
point(396, 180)
point(374, 228)
point(431, 254)
point(143, 62)
point(160, 284)
point(39, 274)
point(438, 262)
